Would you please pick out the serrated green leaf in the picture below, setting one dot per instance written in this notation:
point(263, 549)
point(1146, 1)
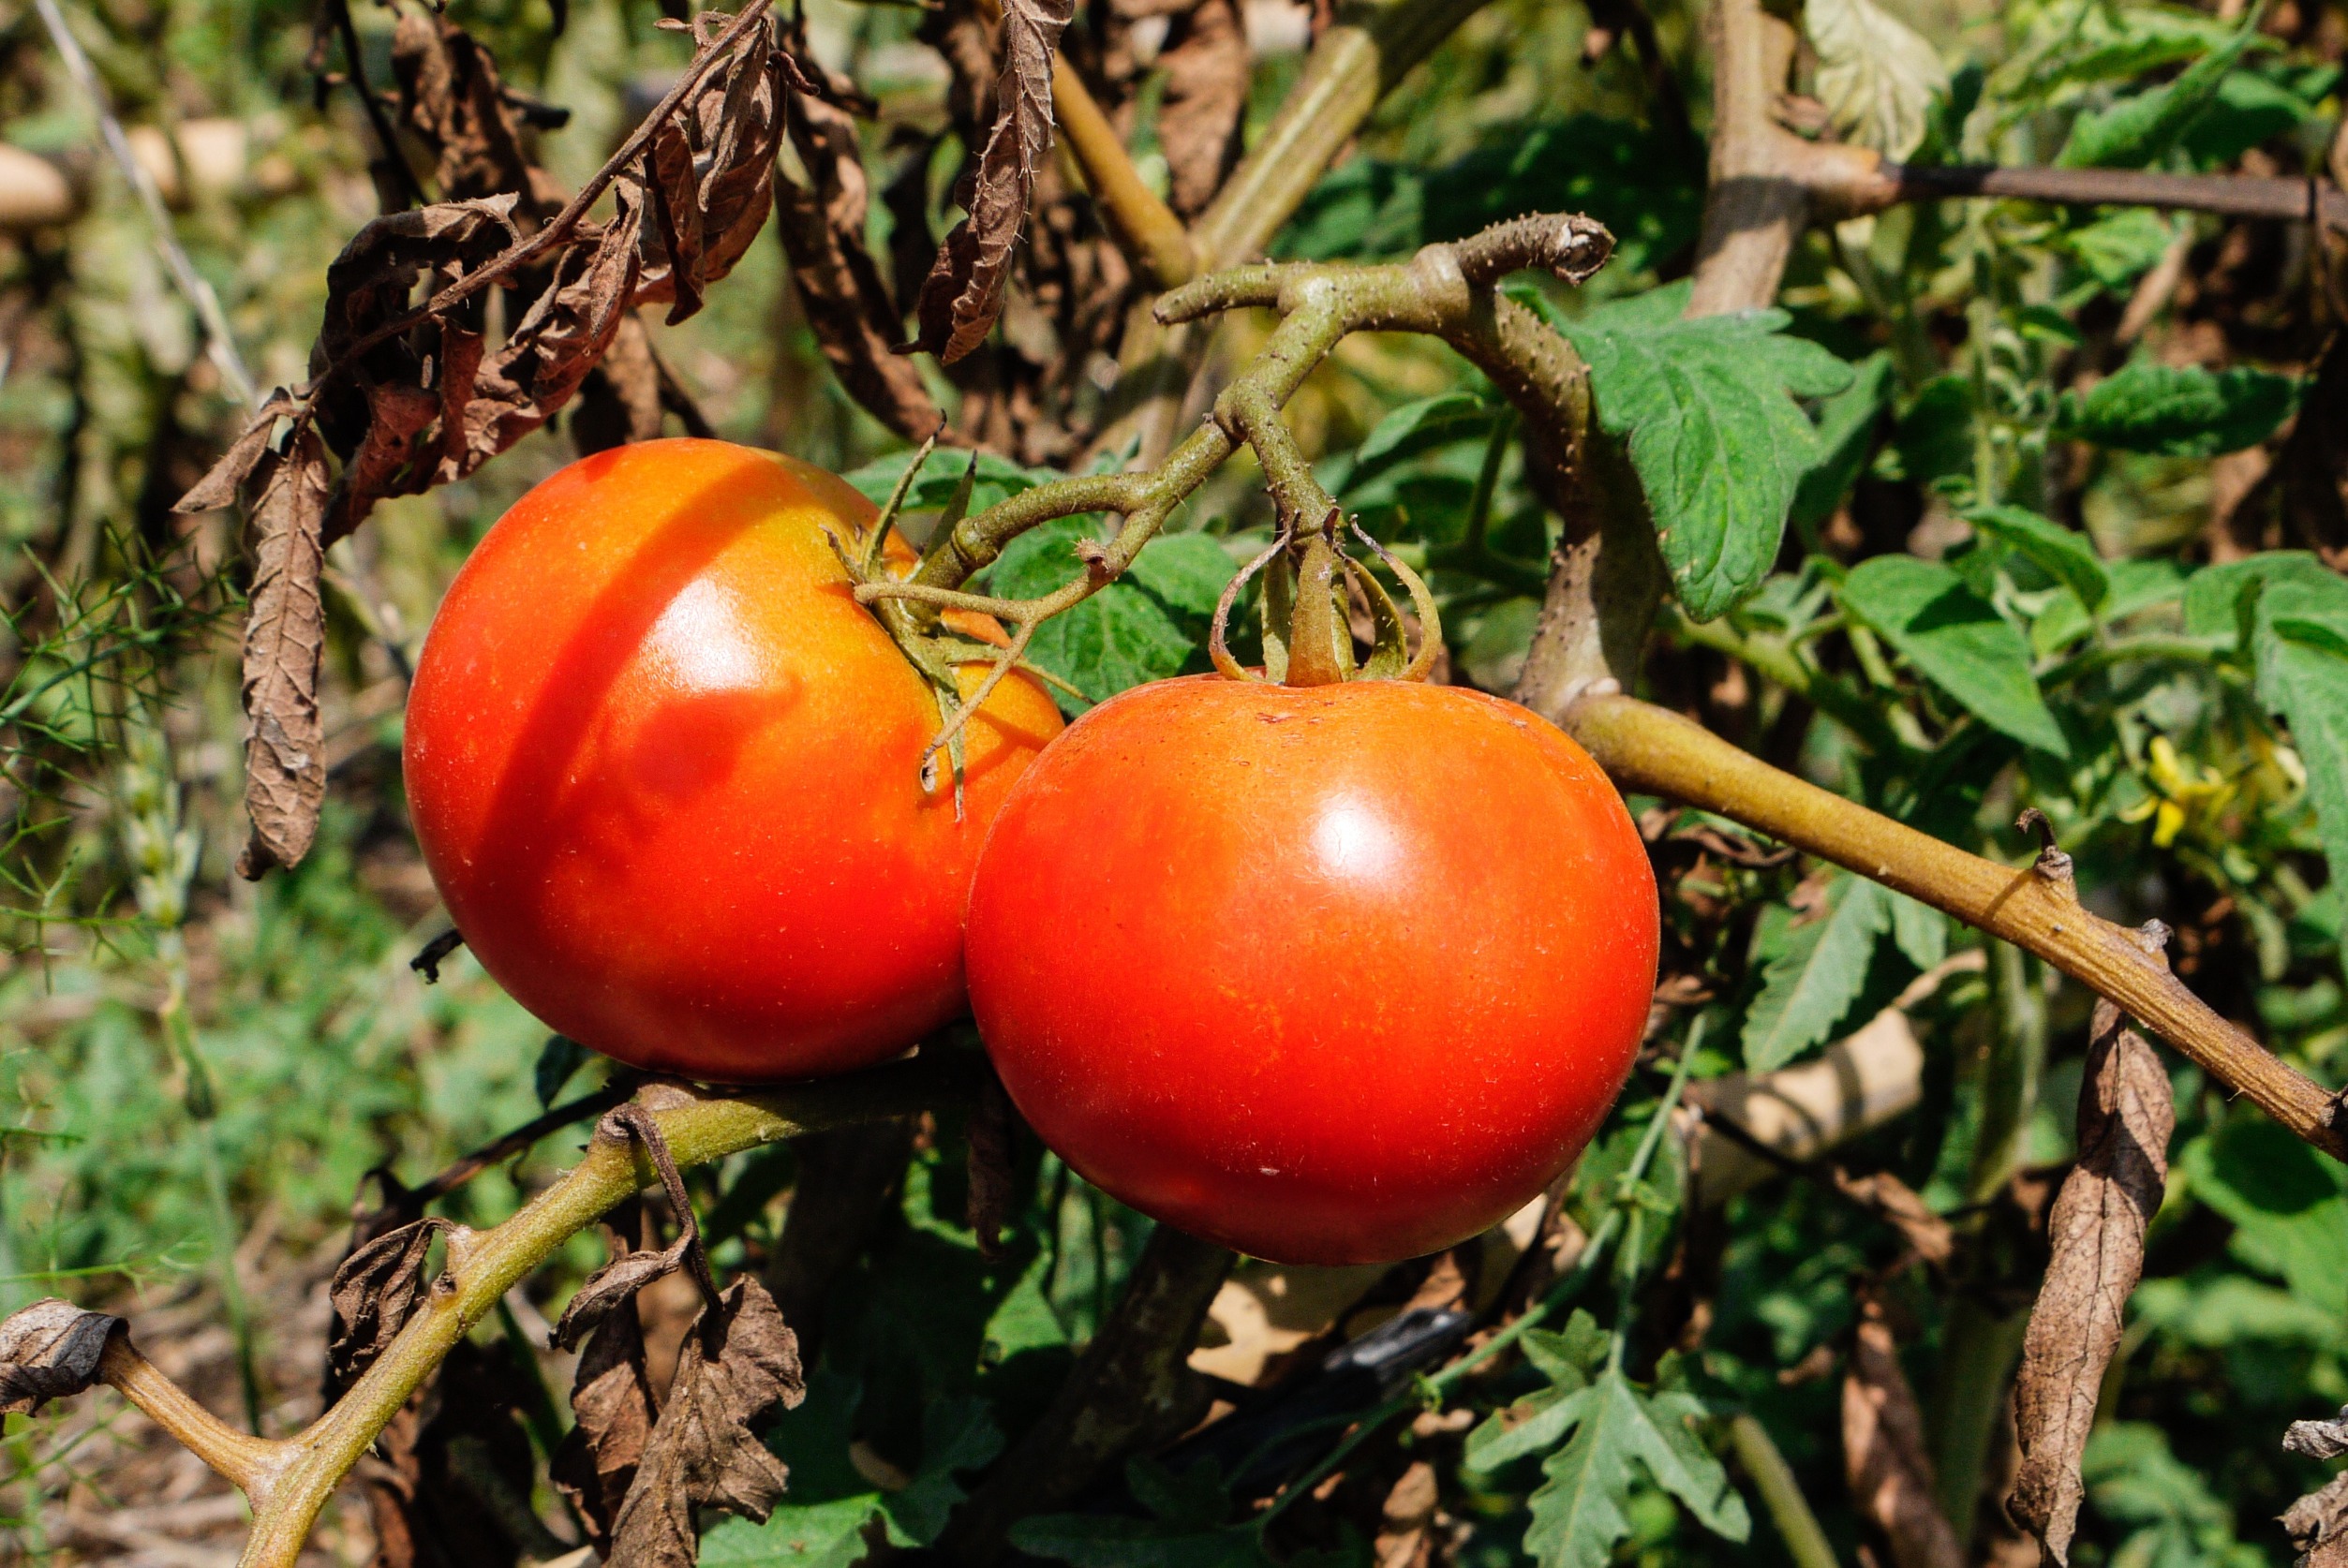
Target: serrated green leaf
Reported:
point(1957, 641)
point(2120, 248)
point(1919, 931)
point(2302, 655)
point(1420, 427)
point(1144, 626)
point(2135, 585)
point(1812, 971)
point(995, 478)
point(2179, 411)
point(1567, 1356)
point(2113, 45)
point(1533, 1424)
point(2213, 597)
point(1578, 1511)
point(812, 1536)
point(1845, 431)
point(2285, 1203)
point(2137, 130)
point(2249, 110)
point(1719, 444)
point(2064, 554)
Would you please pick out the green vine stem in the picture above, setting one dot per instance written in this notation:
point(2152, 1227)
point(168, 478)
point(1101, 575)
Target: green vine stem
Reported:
point(2036, 909)
point(288, 1480)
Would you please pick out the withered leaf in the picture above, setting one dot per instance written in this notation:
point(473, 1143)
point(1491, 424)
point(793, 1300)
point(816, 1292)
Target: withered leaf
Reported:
point(740, 1365)
point(964, 291)
point(373, 1295)
point(621, 400)
point(1207, 76)
point(1884, 1457)
point(448, 1484)
point(848, 305)
point(2319, 1439)
point(990, 1172)
point(219, 486)
point(387, 462)
point(711, 169)
point(2318, 1525)
point(451, 96)
point(1898, 1206)
point(284, 638)
point(49, 1351)
point(619, 1281)
point(610, 1397)
point(2096, 1231)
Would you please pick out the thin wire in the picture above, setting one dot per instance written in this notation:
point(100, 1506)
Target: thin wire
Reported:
point(219, 344)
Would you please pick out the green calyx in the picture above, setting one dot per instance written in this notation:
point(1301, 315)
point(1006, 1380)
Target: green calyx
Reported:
point(1308, 604)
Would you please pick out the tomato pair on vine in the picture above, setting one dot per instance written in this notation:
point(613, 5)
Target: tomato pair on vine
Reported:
point(1337, 971)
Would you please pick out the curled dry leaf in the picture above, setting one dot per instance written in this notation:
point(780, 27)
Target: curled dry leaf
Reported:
point(1884, 1453)
point(964, 291)
point(619, 401)
point(617, 1281)
point(2096, 1231)
point(990, 1174)
point(373, 1294)
point(2319, 1439)
point(49, 1351)
point(431, 402)
point(611, 1398)
point(1207, 75)
point(741, 1366)
point(447, 1485)
point(848, 303)
point(284, 638)
point(2318, 1525)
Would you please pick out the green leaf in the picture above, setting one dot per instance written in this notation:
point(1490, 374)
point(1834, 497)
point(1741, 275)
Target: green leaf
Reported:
point(1718, 441)
point(2118, 249)
point(1578, 1511)
point(2112, 45)
point(1934, 440)
point(1415, 429)
point(997, 479)
point(2284, 1201)
point(2249, 111)
point(2179, 411)
point(2137, 130)
point(1919, 931)
point(2230, 1310)
point(2214, 595)
point(559, 1060)
point(1957, 641)
point(2302, 655)
point(1812, 971)
point(957, 1436)
point(1879, 79)
point(1845, 431)
point(1143, 627)
point(2062, 553)
point(2135, 585)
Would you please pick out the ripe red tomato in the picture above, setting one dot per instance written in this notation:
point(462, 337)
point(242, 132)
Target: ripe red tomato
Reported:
point(1331, 975)
point(666, 772)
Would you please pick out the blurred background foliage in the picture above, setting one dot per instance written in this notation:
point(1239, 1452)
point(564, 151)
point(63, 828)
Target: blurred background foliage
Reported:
point(197, 1074)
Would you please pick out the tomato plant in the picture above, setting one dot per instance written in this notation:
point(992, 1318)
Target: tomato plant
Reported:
point(1341, 973)
point(667, 773)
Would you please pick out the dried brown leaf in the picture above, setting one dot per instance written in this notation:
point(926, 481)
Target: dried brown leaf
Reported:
point(1207, 70)
point(851, 309)
point(448, 1484)
point(49, 1351)
point(219, 486)
point(991, 1173)
point(2319, 1439)
point(392, 459)
point(285, 637)
point(619, 1281)
point(621, 400)
point(373, 1294)
point(964, 291)
point(2096, 1231)
point(1884, 1457)
point(450, 98)
point(1897, 1204)
point(740, 1365)
point(610, 1397)
point(2318, 1525)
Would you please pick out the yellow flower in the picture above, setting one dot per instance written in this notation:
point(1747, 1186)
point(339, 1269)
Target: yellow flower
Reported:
point(2183, 790)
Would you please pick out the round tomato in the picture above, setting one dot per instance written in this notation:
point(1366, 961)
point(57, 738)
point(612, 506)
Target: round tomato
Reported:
point(1331, 975)
point(666, 772)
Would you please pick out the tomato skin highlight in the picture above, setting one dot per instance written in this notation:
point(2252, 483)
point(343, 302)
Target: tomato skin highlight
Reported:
point(665, 772)
point(1332, 975)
